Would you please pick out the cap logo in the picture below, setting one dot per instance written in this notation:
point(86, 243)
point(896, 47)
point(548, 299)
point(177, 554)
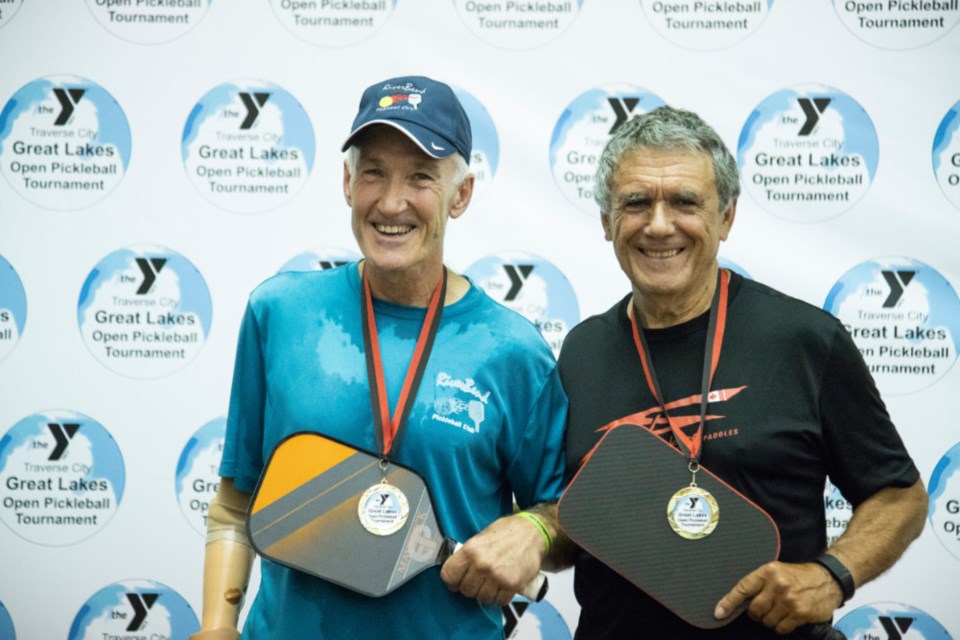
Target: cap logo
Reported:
point(406, 93)
point(413, 99)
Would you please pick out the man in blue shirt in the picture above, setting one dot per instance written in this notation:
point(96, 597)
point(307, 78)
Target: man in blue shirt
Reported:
point(485, 425)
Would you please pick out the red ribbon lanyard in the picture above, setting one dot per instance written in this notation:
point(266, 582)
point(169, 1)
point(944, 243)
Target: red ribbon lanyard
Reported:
point(387, 430)
point(691, 443)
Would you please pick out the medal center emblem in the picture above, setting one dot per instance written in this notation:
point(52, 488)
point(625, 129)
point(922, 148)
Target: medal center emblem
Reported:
point(383, 509)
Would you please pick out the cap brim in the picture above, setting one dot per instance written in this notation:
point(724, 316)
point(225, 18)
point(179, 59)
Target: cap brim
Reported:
point(429, 142)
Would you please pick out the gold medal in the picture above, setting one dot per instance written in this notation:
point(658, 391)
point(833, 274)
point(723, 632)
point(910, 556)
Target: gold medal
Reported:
point(693, 513)
point(383, 509)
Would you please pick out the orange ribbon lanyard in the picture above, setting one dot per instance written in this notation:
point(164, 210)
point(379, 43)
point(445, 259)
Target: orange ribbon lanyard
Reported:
point(388, 430)
point(690, 443)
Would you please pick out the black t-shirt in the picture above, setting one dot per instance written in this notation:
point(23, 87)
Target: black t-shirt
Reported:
point(798, 405)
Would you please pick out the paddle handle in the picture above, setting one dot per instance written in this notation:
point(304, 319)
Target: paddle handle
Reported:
point(535, 590)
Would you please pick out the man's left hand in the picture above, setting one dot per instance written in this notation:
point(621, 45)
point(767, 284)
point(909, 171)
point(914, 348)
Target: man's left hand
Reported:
point(495, 564)
point(784, 596)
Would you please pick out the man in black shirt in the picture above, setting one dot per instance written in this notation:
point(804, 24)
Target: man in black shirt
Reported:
point(791, 401)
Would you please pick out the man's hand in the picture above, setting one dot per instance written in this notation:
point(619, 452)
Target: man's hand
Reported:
point(496, 563)
point(784, 596)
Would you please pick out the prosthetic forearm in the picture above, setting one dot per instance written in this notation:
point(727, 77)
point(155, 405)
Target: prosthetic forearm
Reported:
point(226, 564)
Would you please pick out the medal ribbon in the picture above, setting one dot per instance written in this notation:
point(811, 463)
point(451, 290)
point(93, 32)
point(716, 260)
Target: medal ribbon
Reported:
point(690, 444)
point(387, 430)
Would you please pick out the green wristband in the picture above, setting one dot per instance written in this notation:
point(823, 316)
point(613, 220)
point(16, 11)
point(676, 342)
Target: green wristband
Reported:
point(526, 515)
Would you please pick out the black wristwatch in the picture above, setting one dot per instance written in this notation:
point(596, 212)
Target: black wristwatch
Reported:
point(839, 573)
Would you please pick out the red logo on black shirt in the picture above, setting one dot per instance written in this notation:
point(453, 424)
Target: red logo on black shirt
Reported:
point(656, 420)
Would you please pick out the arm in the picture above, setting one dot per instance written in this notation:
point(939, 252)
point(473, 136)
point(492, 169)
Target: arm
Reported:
point(499, 561)
point(226, 565)
point(784, 596)
point(495, 564)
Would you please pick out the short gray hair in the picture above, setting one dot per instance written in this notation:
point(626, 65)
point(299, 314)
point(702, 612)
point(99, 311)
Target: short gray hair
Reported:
point(460, 172)
point(661, 129)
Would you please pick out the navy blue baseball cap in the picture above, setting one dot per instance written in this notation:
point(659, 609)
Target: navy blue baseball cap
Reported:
point(427, 111)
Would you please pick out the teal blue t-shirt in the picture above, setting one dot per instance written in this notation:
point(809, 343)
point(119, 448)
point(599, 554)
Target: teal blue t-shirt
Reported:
point(486, 428)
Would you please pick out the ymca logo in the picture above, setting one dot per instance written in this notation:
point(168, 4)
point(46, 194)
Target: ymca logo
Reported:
point(622, 109)
point(895, 627)
point(141, 603)
point(150, 270)
point(68, 99)
point(518, 274)
point(812, 110)
point(897, 281)
point(253, 102)
point(62, 435)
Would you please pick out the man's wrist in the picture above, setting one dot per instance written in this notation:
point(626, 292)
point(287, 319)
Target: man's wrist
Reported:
point(539, 524)
point(839, 572)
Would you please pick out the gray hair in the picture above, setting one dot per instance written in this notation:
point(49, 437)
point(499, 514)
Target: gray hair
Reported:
point(461, 170)
point(661, 129)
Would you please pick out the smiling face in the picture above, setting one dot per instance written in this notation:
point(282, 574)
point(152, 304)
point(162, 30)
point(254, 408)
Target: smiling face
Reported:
point(666, 227)
point(401, 199)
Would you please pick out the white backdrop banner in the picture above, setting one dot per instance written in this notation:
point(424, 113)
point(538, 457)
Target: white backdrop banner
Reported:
point(160, 159)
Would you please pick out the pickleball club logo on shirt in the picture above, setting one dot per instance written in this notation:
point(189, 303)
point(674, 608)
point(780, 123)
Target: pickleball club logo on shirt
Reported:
point(459, 402)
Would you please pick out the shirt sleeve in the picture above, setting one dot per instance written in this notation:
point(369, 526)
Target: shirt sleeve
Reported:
point(242, 457)
point(536, 471)
point(865, 453)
